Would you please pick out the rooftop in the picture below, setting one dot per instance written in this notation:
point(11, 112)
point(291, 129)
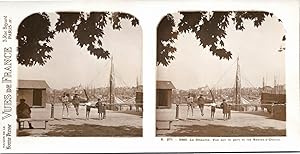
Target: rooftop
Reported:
point(164, 85)
point(33, 84)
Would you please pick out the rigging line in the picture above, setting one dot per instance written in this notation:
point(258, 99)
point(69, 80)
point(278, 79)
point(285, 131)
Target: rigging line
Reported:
point(93, 80)
point(224, 74)
point(122, 81)
point(98, 72)
point(244, 76)
point(116, 78)
point(249, 82)
point(234, 86)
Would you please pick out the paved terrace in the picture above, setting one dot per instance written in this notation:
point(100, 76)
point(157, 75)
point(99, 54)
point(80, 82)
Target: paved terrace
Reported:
point(113, 118)
point(238, 119)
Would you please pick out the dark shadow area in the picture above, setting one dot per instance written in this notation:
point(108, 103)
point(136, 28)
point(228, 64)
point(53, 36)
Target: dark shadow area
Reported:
point(88, 130)
point(132, 112)
point(22, 133)
point(266, 114)
point(224, 131)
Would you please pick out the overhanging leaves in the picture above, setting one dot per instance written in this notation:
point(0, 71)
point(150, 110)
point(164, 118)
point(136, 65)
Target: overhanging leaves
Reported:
point(33, 36)
point(34, 33)
point(209, 29)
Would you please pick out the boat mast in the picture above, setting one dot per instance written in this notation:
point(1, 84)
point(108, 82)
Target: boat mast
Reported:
point(238, 85)
point(111, 82)
point(263, 87)
point(275, 85)
point(137, 83)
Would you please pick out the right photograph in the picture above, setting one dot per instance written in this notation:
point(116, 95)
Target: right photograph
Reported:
point(220, 74)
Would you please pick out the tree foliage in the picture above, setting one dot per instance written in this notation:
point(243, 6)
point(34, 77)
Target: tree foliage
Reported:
point(209, 29)
point(34, 33)
point(34, 36)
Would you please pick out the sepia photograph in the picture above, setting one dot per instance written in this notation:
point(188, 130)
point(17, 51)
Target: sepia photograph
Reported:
point(79, 75)
point(220, 74)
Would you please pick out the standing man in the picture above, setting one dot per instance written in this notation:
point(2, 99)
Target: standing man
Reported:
point(76, 103)
point(201, 103)
point(24, 111)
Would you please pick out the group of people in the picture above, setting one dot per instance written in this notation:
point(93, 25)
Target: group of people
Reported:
point(101, 109)
point(226, 110)
point(67, 100)
point(75, 100)
point(200, 101)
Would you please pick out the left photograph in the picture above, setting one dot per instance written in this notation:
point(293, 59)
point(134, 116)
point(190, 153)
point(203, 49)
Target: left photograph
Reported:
point(80, 75)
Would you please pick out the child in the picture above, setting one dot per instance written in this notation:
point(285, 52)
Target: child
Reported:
point(104, 111)
point(99, 106)
point(229, 110)
point(213, 110)
point(88, 109)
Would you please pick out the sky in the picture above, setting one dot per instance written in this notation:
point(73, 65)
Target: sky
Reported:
point(257, 49)
point(71, 65)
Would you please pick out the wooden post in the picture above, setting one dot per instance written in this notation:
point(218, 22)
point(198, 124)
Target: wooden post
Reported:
point(52, 106)
point(177, 111)
point(52, 110)
point(272, 110)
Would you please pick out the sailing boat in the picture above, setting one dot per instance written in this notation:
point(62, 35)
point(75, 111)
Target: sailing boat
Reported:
point(271, 96)
point(116, 103)
point(237, 87)
point(112, 101)
point(241, 103)
point(111, 84)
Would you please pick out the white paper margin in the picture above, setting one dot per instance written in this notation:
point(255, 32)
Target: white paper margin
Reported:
point(149, 14)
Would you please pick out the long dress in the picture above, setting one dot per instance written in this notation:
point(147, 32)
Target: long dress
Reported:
point(225, 108)
point(99, 106)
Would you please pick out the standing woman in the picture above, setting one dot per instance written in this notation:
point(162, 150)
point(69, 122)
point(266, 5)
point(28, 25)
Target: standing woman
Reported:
point(65, 104)
point(225, 109)
point(99, 106)
point(190, 100)
point(76, 103)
